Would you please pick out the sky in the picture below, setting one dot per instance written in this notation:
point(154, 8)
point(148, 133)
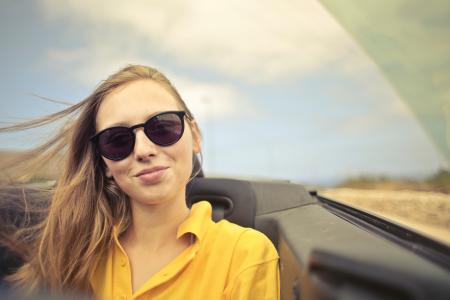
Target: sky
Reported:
point(280, 90)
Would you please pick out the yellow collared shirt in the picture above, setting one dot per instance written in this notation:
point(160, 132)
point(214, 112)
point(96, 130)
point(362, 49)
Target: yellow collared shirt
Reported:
point(226, 261)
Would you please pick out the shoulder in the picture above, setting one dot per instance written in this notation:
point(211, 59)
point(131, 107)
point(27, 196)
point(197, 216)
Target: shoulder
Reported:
point(253, 270)
point(254, 248)
point(250, 247)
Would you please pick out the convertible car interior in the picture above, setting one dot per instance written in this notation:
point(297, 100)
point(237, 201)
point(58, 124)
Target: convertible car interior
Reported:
point(327, 250)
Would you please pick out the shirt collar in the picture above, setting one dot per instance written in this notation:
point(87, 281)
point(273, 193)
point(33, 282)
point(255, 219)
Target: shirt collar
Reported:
point(196, 223)
point(198, 220)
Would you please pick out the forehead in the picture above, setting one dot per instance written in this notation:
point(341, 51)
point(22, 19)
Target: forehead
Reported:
point(134, 103)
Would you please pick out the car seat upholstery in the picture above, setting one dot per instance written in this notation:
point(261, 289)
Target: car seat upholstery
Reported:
point(248, 203)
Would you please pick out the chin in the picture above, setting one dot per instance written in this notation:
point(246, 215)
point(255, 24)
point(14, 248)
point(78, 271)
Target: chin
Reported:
point(163, 191)
point(155, 194)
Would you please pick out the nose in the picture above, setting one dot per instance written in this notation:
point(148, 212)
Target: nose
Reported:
point(144, 148)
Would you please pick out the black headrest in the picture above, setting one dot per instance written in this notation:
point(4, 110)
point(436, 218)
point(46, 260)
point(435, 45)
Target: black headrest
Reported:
point(234, 200)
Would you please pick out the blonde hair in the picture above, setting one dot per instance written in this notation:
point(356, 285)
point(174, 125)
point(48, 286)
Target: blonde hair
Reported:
point(60, 252)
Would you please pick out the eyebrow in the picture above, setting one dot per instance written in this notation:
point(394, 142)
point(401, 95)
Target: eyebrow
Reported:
point(145, 120)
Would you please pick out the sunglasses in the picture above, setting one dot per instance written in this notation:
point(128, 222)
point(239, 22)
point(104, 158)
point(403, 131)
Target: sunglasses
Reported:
point(164, 129)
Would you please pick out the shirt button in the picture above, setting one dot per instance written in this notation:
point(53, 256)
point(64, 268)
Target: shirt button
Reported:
point(123, 263)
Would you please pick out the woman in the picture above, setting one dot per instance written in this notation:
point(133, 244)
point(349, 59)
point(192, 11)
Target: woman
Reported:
point(118, 226)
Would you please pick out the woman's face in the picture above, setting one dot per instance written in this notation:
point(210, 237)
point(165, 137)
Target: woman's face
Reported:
point(167, 168)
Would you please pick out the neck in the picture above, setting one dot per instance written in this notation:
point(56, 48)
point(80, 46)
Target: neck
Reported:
point(154, 226)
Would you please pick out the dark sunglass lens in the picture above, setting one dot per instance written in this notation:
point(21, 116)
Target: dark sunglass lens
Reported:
point(116, 143)
point(165, 129)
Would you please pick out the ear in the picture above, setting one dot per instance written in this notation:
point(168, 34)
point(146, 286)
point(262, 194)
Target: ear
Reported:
point(108, 173)
point(196, 137)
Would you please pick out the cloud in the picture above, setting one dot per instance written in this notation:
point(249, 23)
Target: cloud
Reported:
point(208, 101)
point(254, 40)
point(88, 65)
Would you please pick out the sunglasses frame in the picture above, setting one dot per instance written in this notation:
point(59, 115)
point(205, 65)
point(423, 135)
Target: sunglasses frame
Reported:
point(95, 138)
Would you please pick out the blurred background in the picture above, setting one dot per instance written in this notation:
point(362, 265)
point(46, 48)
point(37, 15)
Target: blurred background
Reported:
point(331, 94)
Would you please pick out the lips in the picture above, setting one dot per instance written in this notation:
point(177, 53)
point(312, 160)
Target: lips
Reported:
point(152, 175)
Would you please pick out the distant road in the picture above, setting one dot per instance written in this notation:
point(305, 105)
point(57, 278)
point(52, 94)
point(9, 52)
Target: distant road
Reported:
point(425, 212)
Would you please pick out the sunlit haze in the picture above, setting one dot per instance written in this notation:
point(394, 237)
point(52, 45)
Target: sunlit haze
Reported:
point(279, 88)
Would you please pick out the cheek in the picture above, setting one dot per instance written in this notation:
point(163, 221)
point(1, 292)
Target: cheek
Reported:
point(119, 172)
point(183, 156)
point(113, 169)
